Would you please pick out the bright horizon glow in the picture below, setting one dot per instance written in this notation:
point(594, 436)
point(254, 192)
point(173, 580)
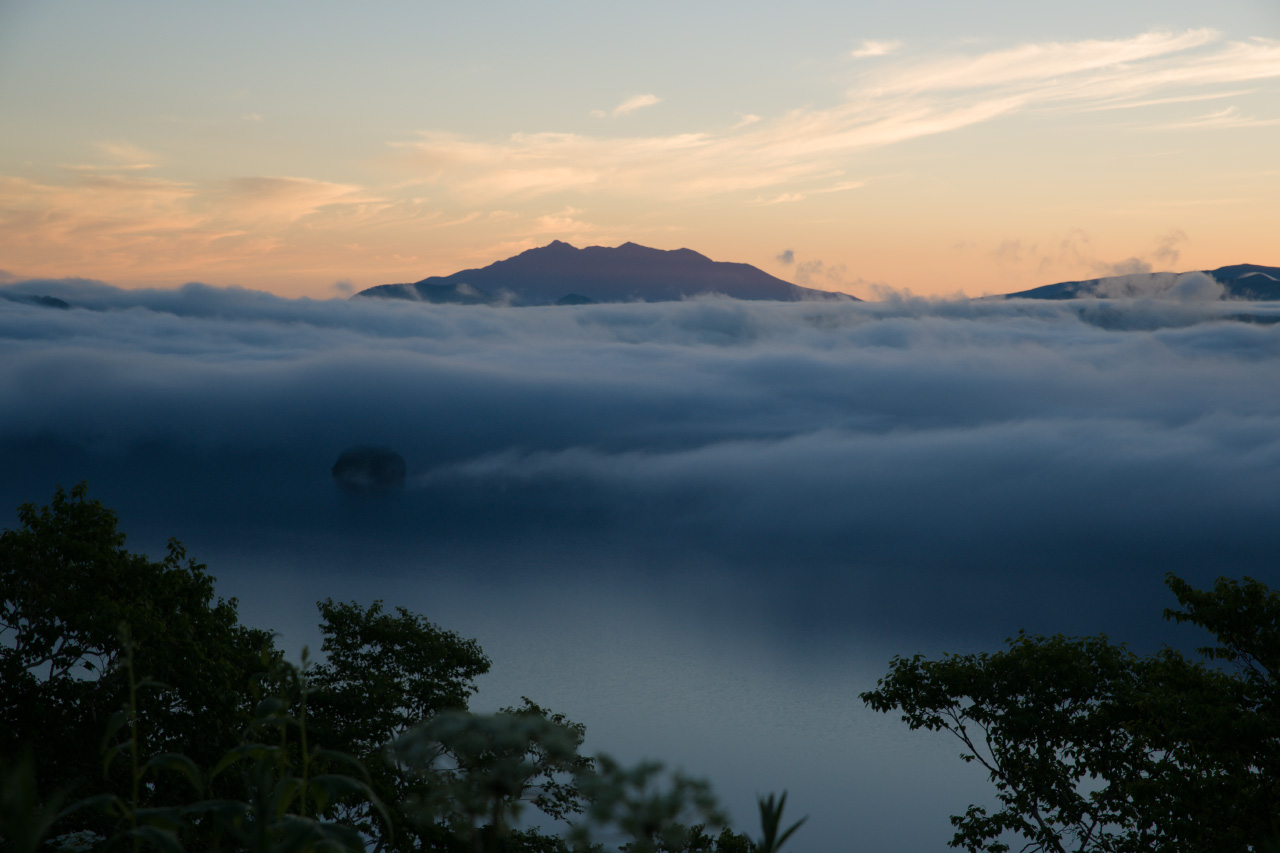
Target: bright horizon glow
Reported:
point(291, 151)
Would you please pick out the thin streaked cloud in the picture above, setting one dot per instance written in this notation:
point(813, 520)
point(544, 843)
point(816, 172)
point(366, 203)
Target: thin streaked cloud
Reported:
point(870, 48)
point(121, 209)
point(842, 186)
point(107, 167)
point(1039, 62)
point(1177, 99)
point(125, 152)
point(905, 100)
point(1222, 119)
point(638, 102)
point(117, 157)
point(117, 221)
point(785, 198)
point(630, 105)
point(285, 199)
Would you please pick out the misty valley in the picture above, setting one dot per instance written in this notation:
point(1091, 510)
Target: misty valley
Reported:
point(709, 532)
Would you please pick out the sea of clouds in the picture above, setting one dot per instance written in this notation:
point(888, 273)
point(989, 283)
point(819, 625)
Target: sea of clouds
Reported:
point(713, 517)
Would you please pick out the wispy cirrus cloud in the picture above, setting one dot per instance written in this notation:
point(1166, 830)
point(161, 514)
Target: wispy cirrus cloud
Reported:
point(283, 199)
point(630, 105)
point(838, 187)
point(797, 152)
point(1226, 118)
point(139, 227)
point(799, 147)
point(1176, 99)
point(120, 210)
point(120, 220)
point(638, 102)
point(1061, 61)
point(126, 153)
point(118, 157)
point(871, 48)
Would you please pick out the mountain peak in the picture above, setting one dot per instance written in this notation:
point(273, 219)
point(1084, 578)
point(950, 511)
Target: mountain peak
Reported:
point(1251, 282)
point(555, 247)
point(627, 273)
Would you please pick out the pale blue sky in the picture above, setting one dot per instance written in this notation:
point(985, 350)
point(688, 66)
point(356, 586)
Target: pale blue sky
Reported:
point(199, 98)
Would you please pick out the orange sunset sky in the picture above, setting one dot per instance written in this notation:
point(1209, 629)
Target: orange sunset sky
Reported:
point(316, 148)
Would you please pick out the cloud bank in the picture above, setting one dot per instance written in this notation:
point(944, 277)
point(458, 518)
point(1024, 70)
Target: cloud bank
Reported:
point(904, 452)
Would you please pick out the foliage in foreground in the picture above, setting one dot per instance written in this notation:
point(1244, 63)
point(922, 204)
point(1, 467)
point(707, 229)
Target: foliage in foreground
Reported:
point(211, 741)
point(1093, 748)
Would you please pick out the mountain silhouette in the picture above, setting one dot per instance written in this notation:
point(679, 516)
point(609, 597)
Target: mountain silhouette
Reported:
point(562, 274)
point(1239, 281)
point(37, 300)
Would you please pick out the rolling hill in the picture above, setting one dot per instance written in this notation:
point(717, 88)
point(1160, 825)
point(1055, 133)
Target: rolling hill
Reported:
point(1239, 281)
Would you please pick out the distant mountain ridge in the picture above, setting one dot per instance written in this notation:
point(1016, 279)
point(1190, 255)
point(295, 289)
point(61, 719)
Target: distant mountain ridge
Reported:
point(1239, 281)
point(38, 300)
point(559, 273)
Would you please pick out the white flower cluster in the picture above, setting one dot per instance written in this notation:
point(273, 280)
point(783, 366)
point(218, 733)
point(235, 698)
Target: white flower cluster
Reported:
point(76, 842)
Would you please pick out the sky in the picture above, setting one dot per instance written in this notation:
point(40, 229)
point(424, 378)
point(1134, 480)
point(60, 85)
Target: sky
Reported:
point(932, 147)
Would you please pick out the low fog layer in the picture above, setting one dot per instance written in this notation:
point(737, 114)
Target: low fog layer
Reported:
point(699, 526)
point(903, 451)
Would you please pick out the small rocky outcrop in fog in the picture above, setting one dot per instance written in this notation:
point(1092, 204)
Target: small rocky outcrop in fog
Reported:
point(369, 469)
